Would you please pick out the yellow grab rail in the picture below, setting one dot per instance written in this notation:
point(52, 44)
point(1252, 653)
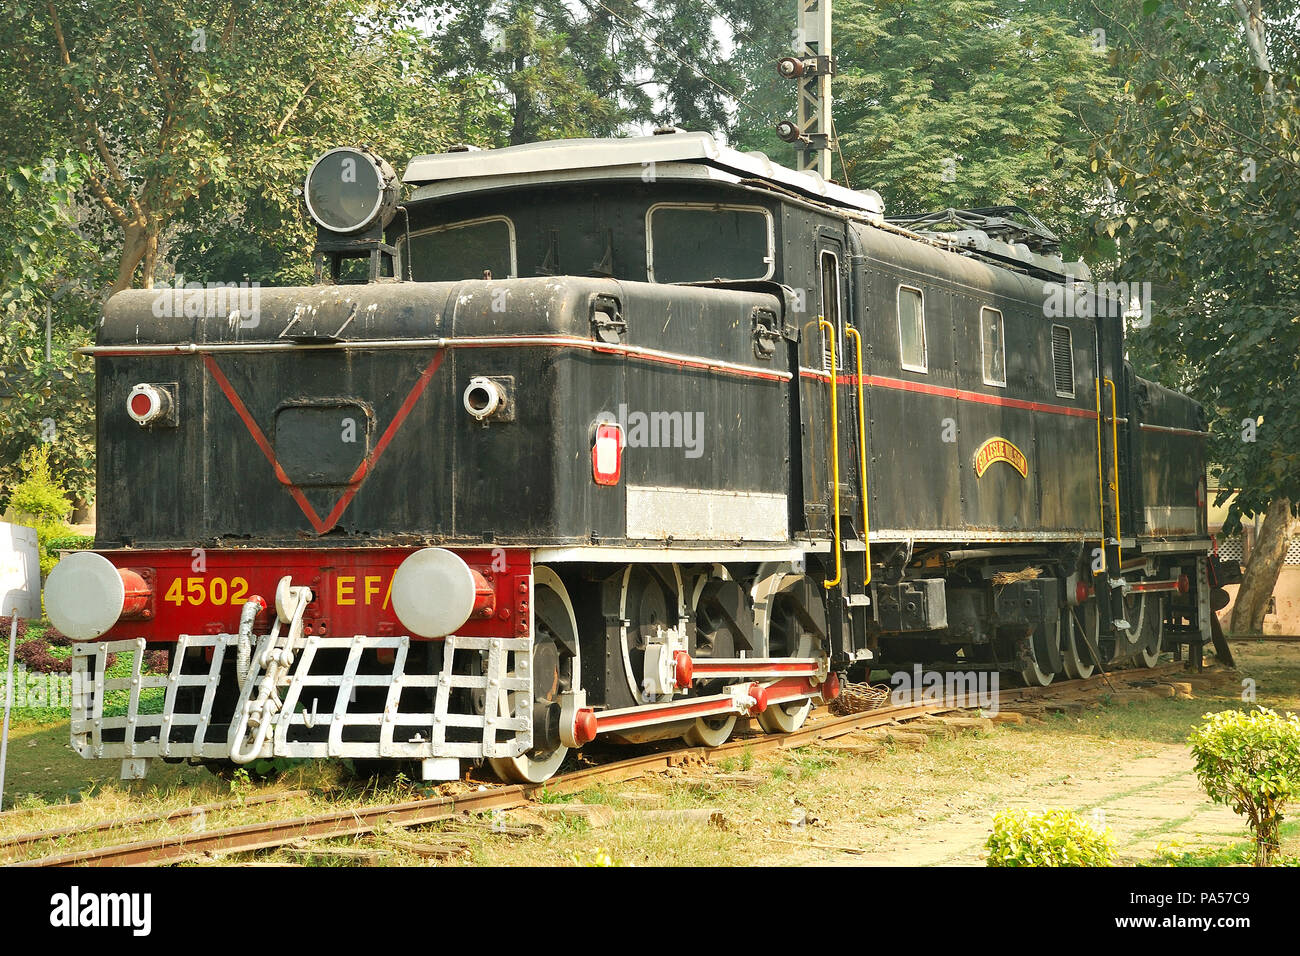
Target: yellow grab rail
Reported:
point(835, 451)
point(1114, 438)
point(862, 453)
point(1101, 482)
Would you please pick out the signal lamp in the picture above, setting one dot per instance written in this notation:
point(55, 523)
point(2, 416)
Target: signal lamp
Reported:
point(349, 189)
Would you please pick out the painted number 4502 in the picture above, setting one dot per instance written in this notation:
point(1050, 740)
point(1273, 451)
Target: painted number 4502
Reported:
point(198, 591)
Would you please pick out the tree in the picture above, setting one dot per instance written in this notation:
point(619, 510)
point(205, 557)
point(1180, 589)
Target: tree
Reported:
point(554, 61)
point(1204, 156)
point(603, 67)
point(44, 397)
point(168, 98)
point(133, 128)
point(969, 103)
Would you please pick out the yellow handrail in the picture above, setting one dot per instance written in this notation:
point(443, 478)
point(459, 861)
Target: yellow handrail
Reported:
point(835, 451)
point(1114, 437)
point(1101, 482)
point(862, 453)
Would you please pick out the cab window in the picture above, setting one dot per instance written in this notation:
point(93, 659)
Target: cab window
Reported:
point(697, 242)
point(475, 249)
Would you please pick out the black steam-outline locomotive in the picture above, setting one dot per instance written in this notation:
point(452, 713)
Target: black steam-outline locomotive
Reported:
point(630, 438)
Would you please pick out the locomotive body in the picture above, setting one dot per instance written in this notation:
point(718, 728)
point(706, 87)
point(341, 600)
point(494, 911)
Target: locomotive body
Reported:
point(634, 438)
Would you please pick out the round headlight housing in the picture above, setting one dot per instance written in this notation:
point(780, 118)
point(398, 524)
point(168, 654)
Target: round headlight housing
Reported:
point(348, 189)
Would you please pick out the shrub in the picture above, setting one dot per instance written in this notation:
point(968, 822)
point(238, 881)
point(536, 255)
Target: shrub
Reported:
point(6, 625)
point(41, 501)
point(70, 542)
point(39, 495)
point(36, 655)
point(1250, 760)
point(1054, 838)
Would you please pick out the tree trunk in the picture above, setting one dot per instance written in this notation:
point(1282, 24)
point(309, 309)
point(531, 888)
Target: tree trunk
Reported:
point(150, 259)
point(135, 243)
point(1263, 568)
point(523, 104)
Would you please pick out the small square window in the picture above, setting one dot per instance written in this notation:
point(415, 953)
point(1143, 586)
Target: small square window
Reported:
point(994, 347)
point(911, 329)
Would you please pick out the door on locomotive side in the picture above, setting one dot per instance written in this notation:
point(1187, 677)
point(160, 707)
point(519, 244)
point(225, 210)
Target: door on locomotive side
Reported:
point(1000, 369)
point(827, 300)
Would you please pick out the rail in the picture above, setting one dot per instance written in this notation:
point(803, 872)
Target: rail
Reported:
point(862, 454)
point(829, 329)
point(356, 821)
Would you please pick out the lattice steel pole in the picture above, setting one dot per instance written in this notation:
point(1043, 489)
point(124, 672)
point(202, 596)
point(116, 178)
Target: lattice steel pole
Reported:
point(814, 116)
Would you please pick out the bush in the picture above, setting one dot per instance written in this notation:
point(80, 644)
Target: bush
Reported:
point(1251, 762)
point(70, 542)
point(6, 626)
point(39, 496)
point(1054, 838)
point(35, 654)
point(41, 501)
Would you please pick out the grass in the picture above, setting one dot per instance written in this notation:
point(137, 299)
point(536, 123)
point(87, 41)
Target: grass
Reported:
point(115, 704)
point(1235, 854)
point(900, 803)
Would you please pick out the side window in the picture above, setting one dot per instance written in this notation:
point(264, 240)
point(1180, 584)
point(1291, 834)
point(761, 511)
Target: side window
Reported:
point(1063, 361)
point(911, 328)
point(993, 346)
point(830, 282)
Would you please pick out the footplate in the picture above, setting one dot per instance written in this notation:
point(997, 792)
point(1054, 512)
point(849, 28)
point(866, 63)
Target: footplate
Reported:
point(355, 697)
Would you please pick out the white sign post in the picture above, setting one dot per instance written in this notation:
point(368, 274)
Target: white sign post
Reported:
point(20, 597)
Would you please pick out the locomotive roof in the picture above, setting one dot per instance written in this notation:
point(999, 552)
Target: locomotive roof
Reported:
point(675, 155)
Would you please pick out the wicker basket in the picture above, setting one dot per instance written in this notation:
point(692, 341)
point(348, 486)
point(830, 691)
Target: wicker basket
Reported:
point(856, 698)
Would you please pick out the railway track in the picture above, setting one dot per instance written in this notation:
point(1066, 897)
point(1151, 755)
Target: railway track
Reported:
point(356, 821)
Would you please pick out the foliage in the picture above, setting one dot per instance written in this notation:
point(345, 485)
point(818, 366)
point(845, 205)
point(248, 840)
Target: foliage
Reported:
point(603, 67)
point(1204, 156)
point(170, 98)
point(548, 59)
point(35, 654)
point(41, 501)
point(968, 103)
point(39, 496)
point(46, 397)
point(1250, 761)
point(1053, 838)
point(71, 542)
point(6, 625)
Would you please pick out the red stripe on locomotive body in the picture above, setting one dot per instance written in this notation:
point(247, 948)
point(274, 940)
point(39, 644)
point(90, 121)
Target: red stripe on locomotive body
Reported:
point(511, 342)
point(943, 391)
point(350, 588)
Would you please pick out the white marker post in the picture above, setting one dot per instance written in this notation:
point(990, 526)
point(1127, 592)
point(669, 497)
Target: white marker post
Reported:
point(20, 597)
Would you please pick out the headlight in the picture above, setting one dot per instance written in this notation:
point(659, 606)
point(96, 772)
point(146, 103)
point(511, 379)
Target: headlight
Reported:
point(349, 189)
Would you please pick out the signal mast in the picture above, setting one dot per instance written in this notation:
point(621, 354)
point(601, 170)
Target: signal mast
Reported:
point(810, 131)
